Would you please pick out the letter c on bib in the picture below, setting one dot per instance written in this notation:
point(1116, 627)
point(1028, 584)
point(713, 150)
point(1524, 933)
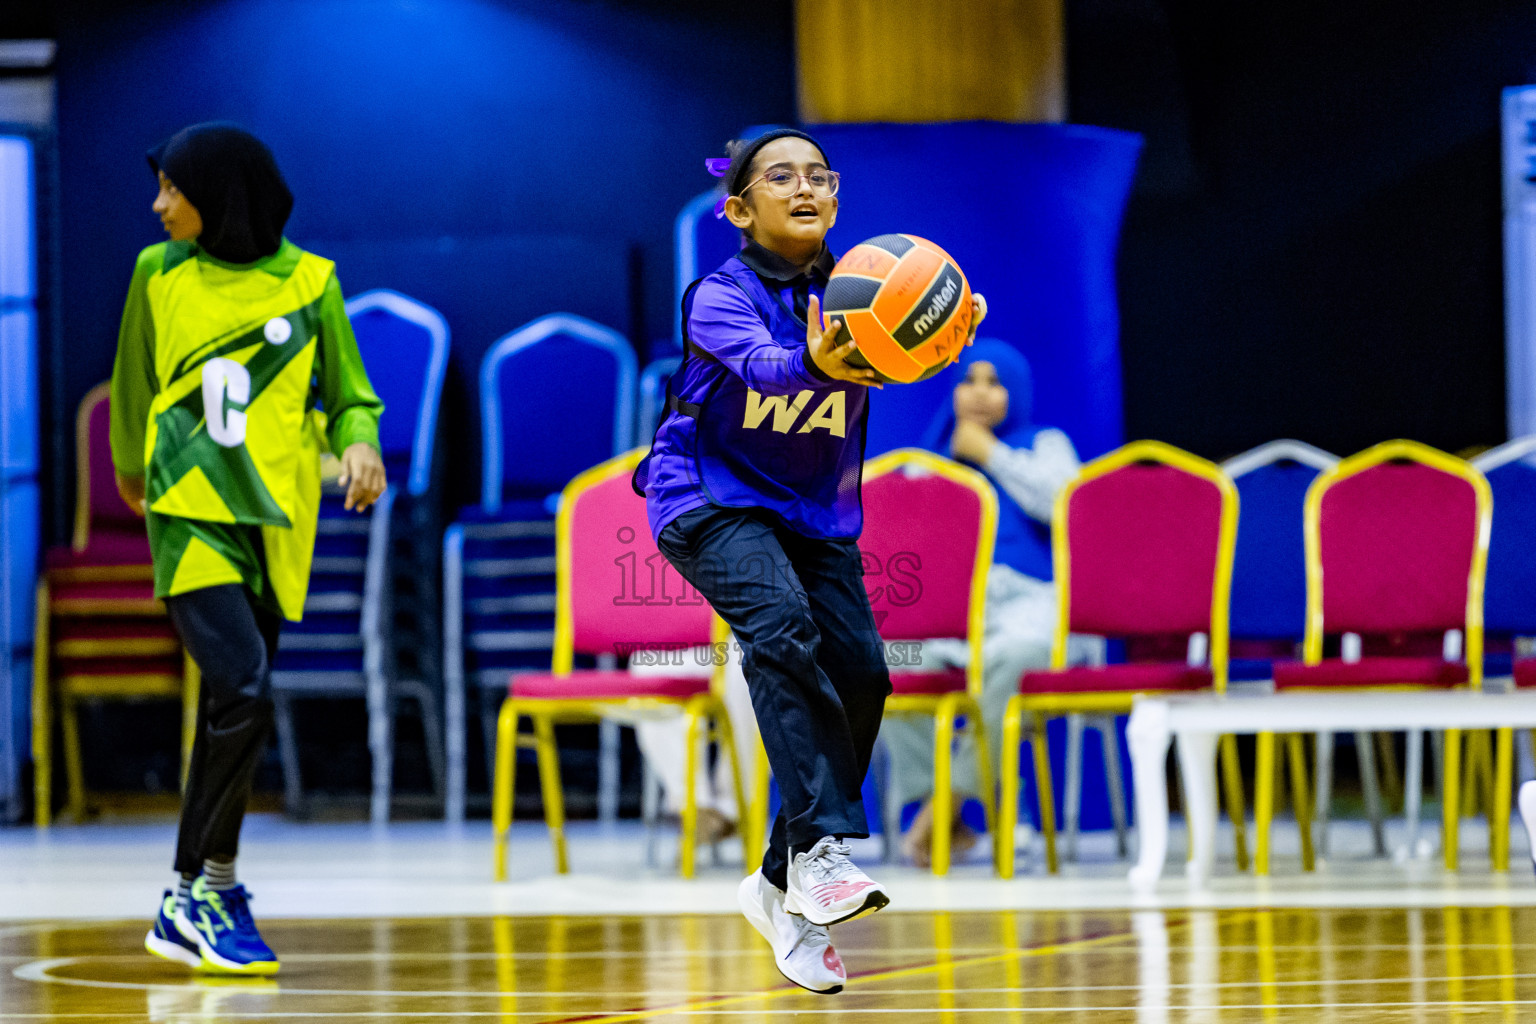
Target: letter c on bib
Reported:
point(225, 379)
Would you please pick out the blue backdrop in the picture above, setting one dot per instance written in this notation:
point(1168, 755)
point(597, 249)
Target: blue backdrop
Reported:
point(1032, 214)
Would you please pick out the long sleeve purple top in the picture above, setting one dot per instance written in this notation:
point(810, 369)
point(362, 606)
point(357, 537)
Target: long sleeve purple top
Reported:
point(726, 333)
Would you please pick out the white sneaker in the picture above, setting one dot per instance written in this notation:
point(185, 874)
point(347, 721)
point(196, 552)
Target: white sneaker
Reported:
point(1528, 811)
point(827, 888)
point(802, 951)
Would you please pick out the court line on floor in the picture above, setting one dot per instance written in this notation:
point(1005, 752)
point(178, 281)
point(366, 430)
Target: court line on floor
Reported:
point(852, 951)
point(40, 971)
point(813, 1011)
point(711, 1005)
point(276, 988)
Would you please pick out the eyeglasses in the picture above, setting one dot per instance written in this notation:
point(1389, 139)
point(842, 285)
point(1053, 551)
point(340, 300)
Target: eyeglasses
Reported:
point(783, 183)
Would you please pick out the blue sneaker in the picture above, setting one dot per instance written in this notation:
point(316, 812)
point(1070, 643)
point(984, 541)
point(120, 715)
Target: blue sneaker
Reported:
point(220, 922)
point(165, 941)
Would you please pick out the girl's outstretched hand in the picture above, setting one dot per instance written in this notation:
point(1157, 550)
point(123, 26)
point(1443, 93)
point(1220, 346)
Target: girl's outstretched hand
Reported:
point(978, 314)
point(830, 357)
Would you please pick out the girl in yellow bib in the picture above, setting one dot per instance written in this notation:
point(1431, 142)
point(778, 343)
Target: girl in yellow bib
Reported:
point(232, 343)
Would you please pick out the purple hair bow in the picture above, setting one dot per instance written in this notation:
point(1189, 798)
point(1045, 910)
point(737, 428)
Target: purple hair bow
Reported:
point(718, 165)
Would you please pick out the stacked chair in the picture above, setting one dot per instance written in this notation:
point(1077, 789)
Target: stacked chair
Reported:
point(556, 397)
point(1396, 549)
point(387, 323)
point(653, 396)
point(343, 647)
point(100, 633)
point(1143, 541)
point(608, 607)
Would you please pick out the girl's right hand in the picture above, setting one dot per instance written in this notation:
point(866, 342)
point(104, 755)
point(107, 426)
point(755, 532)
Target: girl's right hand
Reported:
point(131, 490)
point(830, 357)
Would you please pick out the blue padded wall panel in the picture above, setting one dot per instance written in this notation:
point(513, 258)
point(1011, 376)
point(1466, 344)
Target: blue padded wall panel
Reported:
point(18, 265)
point(20, 534)
point(18, 392)
point(1032, 214)
point(18, 575)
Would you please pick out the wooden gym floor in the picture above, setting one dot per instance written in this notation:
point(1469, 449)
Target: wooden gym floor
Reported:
point(1147, 967)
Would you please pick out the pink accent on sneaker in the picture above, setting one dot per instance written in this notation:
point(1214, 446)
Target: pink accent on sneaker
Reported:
point(829, 893)
point(833, 962)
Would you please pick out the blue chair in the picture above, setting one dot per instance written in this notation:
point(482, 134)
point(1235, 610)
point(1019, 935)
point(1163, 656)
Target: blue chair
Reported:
point(557, 396)
point(406, 342)
point(653, 396)
point(348, 643)
point(1509, 594)
point(412, 341)
point(340, 649)
point(1269, 578)
point(1269, 595)
point(700, 243)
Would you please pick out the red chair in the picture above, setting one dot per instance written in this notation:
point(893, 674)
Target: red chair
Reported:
point(1143, 540)
point(100, 633)
point(948, 555)
point(615, 594)
point(1397, 548)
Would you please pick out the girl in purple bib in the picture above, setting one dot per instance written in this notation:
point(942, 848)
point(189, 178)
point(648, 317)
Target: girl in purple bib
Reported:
point(752, 488)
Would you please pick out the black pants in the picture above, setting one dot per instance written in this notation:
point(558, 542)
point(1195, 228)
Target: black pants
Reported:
point(233, 641)
point(811, 655)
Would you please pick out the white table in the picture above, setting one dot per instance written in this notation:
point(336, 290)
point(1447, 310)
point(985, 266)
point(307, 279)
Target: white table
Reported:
point(1198, 720)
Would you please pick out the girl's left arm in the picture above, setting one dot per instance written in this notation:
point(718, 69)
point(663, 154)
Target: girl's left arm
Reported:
point(352, 408)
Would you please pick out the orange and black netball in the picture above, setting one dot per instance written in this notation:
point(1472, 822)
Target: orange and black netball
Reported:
point(905, 302)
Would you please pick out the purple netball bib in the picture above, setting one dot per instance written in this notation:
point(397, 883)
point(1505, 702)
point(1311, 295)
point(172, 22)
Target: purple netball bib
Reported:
point(798, 455)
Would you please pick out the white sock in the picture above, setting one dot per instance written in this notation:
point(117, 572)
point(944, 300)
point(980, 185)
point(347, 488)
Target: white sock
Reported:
point(184, 890)
point(219, 875)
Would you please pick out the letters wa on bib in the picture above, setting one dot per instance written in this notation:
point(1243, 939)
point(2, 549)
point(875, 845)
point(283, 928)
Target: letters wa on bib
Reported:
point(752, 422)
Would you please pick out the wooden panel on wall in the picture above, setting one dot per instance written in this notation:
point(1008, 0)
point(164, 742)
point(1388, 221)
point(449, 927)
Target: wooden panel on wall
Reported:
point(930, 60)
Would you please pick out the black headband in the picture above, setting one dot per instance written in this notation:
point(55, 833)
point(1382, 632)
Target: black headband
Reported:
point(742, 161)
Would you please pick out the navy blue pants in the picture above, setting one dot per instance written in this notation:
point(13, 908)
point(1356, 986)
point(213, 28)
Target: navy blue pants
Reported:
point(812, 658)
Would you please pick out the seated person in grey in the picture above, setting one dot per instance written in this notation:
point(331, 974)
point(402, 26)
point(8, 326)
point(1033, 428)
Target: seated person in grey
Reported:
point(989, 427)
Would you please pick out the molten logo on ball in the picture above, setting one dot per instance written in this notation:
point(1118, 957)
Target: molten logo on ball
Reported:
point(937, 306)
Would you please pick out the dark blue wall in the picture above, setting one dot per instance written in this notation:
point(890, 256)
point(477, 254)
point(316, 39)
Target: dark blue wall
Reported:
point(438, 147)
point(1315, 247)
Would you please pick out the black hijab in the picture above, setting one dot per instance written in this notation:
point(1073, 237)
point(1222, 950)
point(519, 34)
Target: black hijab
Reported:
point(230, 176)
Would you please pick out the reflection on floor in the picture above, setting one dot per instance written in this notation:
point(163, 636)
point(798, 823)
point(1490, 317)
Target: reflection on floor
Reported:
point(1287, 965)
point(424, 869)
